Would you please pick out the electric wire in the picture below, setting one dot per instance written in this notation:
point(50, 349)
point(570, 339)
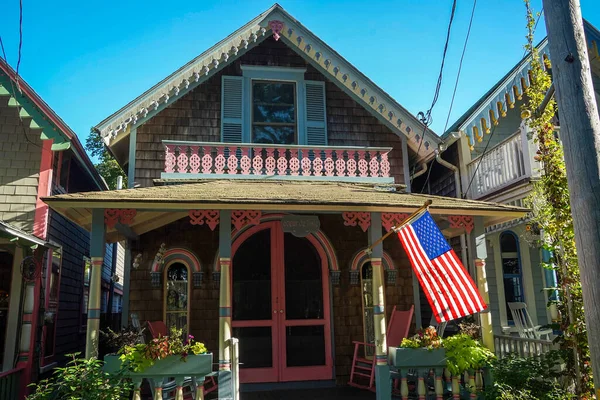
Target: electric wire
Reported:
point(426, 117)
point(462, 57)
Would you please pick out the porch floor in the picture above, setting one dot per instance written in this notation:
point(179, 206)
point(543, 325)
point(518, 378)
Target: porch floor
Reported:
point(343, 392)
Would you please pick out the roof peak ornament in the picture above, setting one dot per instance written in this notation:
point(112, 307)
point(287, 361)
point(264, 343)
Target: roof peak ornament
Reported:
point(276, 26)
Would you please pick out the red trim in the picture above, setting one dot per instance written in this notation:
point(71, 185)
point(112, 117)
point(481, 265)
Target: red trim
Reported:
point(52, 116)
point(278, 323)
point(45, 360)
point(40, 222)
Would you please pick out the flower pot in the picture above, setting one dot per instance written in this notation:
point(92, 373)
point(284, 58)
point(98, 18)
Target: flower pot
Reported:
point(417, 358)
point(194, 365)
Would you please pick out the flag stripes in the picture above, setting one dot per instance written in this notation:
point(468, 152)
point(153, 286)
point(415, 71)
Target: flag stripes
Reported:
point(448, 287)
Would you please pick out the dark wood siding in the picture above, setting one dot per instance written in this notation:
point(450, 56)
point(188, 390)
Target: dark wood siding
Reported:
point(196, 117)
point(346, 304)
point(441, 180)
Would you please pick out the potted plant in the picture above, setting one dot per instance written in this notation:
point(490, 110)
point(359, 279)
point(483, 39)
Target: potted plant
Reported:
point(422, 350)
point(463, 353)
point(165, 356)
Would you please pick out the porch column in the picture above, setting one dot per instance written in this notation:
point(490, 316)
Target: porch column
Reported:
point(382, 369)
point(478, 252)
point(225, 377)
point(97, 244)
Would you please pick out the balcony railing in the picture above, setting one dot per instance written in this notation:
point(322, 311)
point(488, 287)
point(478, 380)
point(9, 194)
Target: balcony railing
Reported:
point(254, 161)
point(506, 163)
point(522, 347)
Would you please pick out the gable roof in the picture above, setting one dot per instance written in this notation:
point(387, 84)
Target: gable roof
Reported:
point(281, 25)
point(44, 118)
point(491, 107)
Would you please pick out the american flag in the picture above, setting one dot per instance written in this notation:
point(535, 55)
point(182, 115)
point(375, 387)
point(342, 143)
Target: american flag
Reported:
point(447, 285)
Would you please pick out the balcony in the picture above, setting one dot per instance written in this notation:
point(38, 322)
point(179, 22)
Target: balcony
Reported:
point(509, 162)
point(197, 160)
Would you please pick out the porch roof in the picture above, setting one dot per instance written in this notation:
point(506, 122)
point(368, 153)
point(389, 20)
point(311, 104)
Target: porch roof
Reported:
point(172, 201)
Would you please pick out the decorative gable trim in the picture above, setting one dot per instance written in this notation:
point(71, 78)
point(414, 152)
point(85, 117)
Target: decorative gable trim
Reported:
point(278, 23)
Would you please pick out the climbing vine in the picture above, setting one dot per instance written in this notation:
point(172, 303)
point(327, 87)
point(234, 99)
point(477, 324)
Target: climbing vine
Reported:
point(551, 211)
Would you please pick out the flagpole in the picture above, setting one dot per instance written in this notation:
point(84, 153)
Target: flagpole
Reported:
point(395, 229)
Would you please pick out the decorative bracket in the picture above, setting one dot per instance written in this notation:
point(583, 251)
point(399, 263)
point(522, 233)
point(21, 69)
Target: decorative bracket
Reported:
point(458, 221)
point(334, 277)
point(276, 27)
point(389, 220)
point(197, 279)
point(112, 216)
point(200, 217)
point(362, 219)
point(241, 218)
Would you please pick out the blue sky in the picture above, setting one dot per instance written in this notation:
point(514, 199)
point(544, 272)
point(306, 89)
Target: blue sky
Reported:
point(88, 59)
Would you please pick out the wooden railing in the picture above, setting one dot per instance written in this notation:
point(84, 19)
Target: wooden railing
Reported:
point(506, 163)
point(522, 347)
point(438, 383)
point(229, 160)
point(11, 385)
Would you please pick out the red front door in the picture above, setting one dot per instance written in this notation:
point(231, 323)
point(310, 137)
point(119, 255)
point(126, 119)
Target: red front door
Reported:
point(280, 306)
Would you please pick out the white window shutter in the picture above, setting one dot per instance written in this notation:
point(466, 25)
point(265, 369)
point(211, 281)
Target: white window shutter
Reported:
point(316, 116)
point(231, 109)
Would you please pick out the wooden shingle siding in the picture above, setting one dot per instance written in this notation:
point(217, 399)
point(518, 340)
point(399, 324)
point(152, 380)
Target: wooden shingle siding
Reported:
point(75, 245)
point(346, 310)
point(20, 158)
point(197, 116)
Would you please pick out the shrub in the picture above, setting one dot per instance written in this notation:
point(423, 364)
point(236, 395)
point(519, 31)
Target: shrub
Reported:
point(81, 379)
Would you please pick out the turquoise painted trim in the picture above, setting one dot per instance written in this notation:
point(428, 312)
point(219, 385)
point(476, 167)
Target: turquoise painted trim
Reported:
point(550, 276)
point(225, 385)
point(93, 314)
point(126, 283)
point(350, 179)
point(132, 151)
point(383, 382)
point(375, 230)
point(225, 234)
point(97, 241)
point(295, 75)
point(224, 312)
point(378, 310)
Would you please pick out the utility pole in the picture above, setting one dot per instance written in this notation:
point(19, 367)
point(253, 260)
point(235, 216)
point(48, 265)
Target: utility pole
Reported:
point(580, 134)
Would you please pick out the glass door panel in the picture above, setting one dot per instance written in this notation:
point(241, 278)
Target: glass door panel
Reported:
point(252, 279)
point(305, 345)
point(256, 346)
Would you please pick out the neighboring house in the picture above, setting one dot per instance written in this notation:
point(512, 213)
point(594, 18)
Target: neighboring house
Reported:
point(259, 173)
point(43, 255)
point(500, 167)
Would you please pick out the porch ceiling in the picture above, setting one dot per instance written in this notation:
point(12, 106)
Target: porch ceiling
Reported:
point(160, 205)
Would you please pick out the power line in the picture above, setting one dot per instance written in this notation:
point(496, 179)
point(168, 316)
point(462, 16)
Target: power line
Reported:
point(426, 117)
point(462, 56)
point(20, 38)
point(495, 125)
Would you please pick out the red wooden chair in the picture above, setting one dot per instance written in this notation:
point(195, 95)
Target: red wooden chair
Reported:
point(363, 368)
point(158, 328)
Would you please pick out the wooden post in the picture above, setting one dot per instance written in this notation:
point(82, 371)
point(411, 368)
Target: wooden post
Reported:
point(225, 378)
point(382, 369)
point(580, 135)
point(478, 253)
point(97, 245)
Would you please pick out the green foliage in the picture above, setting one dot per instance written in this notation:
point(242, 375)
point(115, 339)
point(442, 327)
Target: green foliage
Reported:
point(108, 167)
point(81, 379)
point(111, 342)
point(138, 357)
point(465, 353)
point(551, 210)
point(531, 378)
point(424, 338)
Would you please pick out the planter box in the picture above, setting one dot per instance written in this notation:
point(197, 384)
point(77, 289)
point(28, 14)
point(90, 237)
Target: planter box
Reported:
point(172, 366)
point(417, 358)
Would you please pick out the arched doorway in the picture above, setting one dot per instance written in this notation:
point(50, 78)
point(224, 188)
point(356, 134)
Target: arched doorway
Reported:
point(280, 306)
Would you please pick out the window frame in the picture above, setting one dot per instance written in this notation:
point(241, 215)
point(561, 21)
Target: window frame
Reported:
point(519, 276)
point(189, 291)
point(362, 299)
point(295, 124)
point(58, 170)
point(85, 286)
point(51, 305)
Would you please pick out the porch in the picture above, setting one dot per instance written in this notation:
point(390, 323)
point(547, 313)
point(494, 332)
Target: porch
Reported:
point(231, 248)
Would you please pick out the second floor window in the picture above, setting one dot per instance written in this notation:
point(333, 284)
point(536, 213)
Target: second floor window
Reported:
point(274, 112)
